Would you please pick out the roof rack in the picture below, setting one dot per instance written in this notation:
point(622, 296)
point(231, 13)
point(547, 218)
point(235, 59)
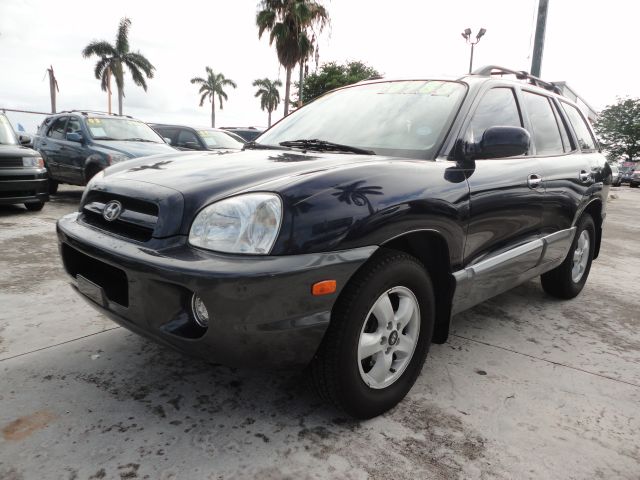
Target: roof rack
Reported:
point(489, 70)
point(86, 112)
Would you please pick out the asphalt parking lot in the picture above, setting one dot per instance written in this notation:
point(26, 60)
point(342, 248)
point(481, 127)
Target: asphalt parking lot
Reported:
point(526, 387)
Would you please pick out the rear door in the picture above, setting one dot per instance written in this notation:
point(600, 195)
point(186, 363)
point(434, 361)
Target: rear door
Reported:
point(50, 147)
point(506, 205)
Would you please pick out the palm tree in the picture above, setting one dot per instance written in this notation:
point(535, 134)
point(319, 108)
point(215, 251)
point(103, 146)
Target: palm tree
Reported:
point(269, 94)
point(212, 86)
point(290, 22)
point(113, 59)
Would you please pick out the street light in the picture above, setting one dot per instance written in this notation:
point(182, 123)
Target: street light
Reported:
point(467, 36)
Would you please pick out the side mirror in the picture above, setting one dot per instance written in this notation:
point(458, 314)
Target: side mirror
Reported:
point(74, 137)
point(24, 139)
point(167, 139)
point(501, 142)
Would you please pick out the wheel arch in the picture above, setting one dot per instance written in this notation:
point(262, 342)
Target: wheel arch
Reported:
point(594, 208)
point(431, 249)
point(93, 163)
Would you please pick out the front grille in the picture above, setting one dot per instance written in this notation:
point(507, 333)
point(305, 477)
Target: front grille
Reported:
point(112, 280)
point(11, 162)
point(137, 220)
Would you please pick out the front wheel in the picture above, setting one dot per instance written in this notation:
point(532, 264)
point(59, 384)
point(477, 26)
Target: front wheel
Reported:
point(567, 280)
point(34, 206)
point(378, 338)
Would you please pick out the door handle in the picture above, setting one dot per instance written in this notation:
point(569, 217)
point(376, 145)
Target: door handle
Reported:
point(584, 176)
point(534, 180)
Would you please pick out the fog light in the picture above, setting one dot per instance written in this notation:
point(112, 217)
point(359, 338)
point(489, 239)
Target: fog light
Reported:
point(200, 313)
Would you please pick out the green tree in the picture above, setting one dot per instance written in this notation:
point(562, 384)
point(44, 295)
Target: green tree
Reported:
point(113, 59)
point(333, 75)
point(618, 128)
point(291, 24)
point(269, 94)
point(211, 86)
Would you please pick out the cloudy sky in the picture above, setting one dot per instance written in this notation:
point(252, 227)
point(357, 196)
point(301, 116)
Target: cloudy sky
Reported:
point(588, 44)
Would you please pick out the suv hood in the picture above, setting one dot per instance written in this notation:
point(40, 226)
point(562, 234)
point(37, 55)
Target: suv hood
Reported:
point(133, 149)
point(16, 151)
point(213, 175)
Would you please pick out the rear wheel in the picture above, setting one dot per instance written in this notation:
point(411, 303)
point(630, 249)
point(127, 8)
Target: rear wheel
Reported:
point(567, 280)
point(34, 206)
point(379, 336)
point(53, 186)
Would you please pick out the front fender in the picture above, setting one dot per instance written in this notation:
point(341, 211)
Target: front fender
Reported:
point(370, 204)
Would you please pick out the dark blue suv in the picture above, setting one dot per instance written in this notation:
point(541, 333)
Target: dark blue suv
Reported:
point(78, 144)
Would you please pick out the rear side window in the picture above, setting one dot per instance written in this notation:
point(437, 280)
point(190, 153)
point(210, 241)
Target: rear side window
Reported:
point(546, 132)
point(57, 128)
point(579, 124)
point(498, 108)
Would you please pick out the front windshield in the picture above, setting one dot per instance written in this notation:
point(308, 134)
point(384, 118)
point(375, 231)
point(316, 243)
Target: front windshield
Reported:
point(217, 139)
point(7, 136)
point(406, 119)
point(106, 128)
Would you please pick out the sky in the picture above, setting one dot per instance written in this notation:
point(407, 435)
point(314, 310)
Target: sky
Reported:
point(587, 44)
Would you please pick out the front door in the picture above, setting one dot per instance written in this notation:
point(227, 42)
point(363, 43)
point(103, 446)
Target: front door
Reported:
point(506, 207)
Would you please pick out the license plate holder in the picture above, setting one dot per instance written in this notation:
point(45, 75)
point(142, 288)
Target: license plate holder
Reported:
point(93, 291)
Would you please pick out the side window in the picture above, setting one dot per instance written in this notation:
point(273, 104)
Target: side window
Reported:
point(57, 128)
point(73, 126)
point(498, 108)
point(546, 132)
point(579, 124)
point(187, 139)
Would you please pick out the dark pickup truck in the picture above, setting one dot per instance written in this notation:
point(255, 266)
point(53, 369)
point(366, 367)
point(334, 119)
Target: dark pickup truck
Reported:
point(346, 236)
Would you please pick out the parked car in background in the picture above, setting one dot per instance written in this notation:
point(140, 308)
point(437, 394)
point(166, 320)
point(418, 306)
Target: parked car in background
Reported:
point(76, 145)
point(23, 178)
point(347, 236)
point(626, 170)
point(634, 180)
point(248, 133)
point(188, 138)
point(615, 175)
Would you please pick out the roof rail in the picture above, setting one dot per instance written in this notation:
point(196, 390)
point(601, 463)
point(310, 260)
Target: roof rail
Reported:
point(489, 70)
point(86, 112)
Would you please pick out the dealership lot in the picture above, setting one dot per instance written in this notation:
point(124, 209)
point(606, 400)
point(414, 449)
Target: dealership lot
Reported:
point(526, 387)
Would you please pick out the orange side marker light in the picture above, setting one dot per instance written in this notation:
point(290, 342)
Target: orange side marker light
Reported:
point(325, 287)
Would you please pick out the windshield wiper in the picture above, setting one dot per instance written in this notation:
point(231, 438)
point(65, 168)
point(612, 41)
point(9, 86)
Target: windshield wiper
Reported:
point(253, 145)
point(104, 138)
point(323, 145)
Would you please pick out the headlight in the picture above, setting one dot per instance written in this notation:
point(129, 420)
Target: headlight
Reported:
point(247, 223)
point(33, 162)
point(117, 158)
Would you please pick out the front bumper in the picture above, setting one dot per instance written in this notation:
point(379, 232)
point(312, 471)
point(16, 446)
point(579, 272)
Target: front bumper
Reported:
point(261, 309)
point(23, 185)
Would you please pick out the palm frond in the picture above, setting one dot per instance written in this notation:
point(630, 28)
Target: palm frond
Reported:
point(198, 80)
point(136, 74)
point(101, 66)
point(100, 49)
point(122, 38)
point(141, 62)
point(203, 98)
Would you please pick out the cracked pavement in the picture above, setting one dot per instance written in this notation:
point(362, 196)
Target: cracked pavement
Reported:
point(526, 387)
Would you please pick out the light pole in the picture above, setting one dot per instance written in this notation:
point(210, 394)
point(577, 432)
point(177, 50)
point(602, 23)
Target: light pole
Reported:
point(467, 36)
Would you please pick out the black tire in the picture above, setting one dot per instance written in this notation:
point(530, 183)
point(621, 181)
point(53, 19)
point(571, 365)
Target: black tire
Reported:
point(91, 172)
point(334, 369)
point(633, 185)
point(53, 186)
point(559, 282)
point(34, 207)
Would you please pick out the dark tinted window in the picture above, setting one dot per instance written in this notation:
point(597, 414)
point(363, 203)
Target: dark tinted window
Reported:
point(188, 139)
point(579, 124)
point(57, 128)
point(546, 134)
point(498, 108)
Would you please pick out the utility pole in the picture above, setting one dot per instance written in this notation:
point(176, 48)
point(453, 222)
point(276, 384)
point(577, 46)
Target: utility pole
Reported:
point(467, 36)
point(538, 46)
point(53, 88)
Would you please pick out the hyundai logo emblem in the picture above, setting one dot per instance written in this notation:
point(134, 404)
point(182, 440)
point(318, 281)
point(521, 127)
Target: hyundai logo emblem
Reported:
point(112, 210)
